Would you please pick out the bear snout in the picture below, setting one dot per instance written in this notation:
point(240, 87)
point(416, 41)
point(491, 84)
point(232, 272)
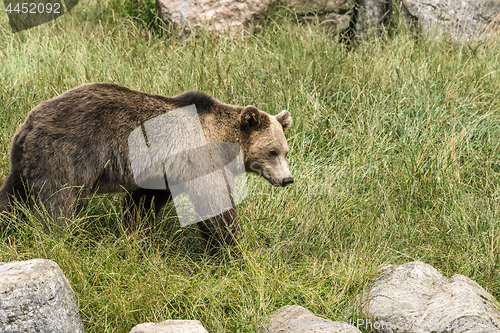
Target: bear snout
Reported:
point(287, 181)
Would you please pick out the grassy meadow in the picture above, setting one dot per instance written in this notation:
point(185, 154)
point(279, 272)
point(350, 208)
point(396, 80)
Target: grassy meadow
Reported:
point(395, 150)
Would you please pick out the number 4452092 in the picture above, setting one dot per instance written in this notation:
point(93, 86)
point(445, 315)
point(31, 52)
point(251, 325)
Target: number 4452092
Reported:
point(33, 8)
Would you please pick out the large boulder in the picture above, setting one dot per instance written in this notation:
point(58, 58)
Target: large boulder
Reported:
point(170, 326)
point(415, 297)
point(372, 14)
point(333, 15)
point(460, 19)
point(35, 296)
point(227, 16)
point(296, 319)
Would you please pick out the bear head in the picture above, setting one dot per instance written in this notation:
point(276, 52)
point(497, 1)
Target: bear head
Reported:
point(264, 144)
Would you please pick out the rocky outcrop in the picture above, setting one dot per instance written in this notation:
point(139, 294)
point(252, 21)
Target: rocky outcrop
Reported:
point(333, 15)
point(233, 16)
point(372, 14)
point(461, 19)
point(415, 297)
point(226, 16)
point(35, 296)
point(296, 319)
point(170, 326)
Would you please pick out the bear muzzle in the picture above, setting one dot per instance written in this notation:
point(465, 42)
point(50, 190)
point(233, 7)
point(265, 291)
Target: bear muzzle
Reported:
point(287, 181)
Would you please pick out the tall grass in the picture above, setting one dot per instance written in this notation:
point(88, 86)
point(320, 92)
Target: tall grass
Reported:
point(395, 150)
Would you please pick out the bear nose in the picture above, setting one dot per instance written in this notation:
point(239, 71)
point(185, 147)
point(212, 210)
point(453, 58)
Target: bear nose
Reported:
point(287, 181)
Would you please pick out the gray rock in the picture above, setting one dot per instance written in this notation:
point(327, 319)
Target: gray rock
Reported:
point(296, 319)
point(35, 296)
point(415, 297)
point(170, 326)
point(231, 16)
point(463, 20)
point(333, 15)
point(372, 13)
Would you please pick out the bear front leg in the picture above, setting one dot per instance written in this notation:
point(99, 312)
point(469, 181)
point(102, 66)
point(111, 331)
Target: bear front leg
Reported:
point(221, 229)
point(143, 204)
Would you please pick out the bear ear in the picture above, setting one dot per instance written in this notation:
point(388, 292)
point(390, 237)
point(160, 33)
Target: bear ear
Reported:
point(250, 117)
point(285, 119)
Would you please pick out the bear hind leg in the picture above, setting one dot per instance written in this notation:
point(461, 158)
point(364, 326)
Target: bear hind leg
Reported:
point(66, 202)
point(13, 189)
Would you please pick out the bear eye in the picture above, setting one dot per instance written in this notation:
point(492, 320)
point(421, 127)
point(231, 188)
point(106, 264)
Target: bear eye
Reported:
point(273, 153)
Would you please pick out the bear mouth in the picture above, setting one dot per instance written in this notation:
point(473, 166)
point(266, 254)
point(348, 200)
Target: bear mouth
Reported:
point(283, 183)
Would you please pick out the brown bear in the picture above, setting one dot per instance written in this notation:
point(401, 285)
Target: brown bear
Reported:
point(76, 143)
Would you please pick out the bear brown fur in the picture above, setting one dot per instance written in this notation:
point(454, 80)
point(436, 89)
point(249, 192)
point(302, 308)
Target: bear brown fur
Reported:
point(76, 144)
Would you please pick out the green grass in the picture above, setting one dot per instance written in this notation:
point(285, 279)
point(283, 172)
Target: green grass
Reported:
point(395, 149)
